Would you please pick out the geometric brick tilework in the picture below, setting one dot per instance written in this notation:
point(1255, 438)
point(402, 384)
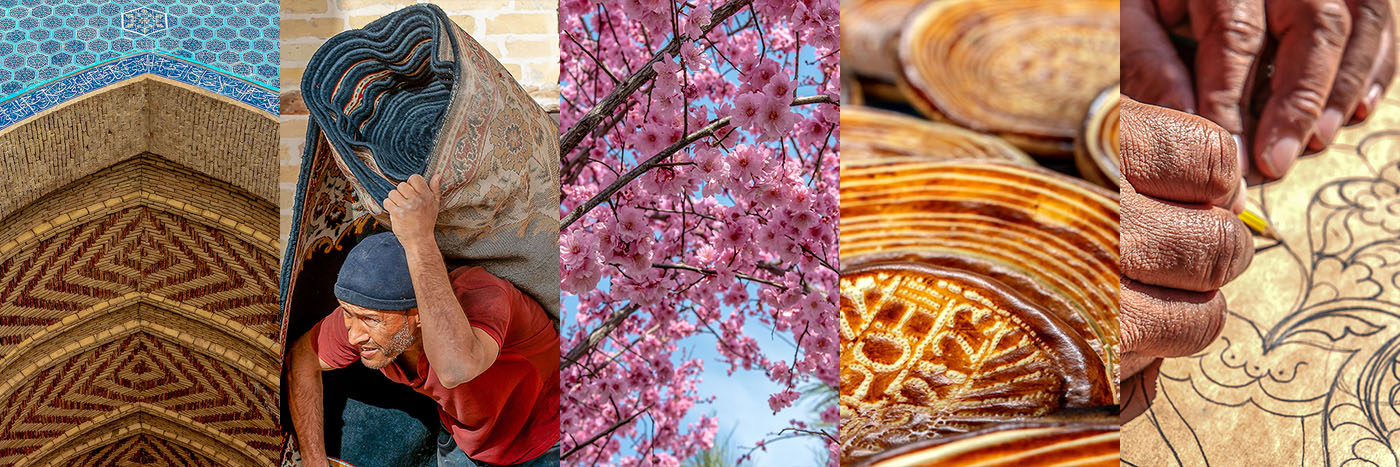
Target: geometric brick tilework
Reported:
point(142, 450)
point(140, 369)
point(138, 315)
point(134, 247)
point(46, 39)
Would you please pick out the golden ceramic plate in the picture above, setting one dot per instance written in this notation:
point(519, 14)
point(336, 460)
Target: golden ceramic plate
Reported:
point(869, 29)
point(1096, 147)
point(871, 134)
point(1025, 70)
point(928, 352)
point(1012, 445)
point(1050, 238)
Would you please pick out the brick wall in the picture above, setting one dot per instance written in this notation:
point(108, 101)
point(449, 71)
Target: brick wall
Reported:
point(522, 34)
point(188, 125)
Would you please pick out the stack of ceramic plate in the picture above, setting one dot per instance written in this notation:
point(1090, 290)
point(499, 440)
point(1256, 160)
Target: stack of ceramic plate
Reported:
point(1024, 70)
point(872, 134)
point(869, 29)
point(1096, 147)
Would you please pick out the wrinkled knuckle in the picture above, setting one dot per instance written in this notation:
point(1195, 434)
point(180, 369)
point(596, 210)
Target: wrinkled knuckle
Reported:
point(1306, 102)
point(1349, 81)
point(1243, 31)
point(1131, 129)
point(1332, 20)
point(1135, 325)
point(1348, 87)
point(1135, 334)
point(1220, 163)
point(1206, 327)
point(1220, 264)
point(1133, 225)
point(1372, 11)
point(1134, 262)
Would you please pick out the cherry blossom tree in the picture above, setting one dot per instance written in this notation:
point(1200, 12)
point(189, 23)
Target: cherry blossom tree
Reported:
point(699, 196)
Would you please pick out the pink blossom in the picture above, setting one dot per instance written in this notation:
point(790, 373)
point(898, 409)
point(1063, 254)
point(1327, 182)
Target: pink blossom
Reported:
point(748, 110)
point(733, 234)
point(694, 56)
point(783, 400)
point(745, 163)
point(651, 139)
point(779, 87)
point(700, 16)
point(776, 118)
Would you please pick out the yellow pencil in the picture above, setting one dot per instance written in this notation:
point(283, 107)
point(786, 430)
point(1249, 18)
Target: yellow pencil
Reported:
point(1258, 225)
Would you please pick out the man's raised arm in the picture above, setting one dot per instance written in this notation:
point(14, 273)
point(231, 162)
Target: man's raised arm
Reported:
point(458, 351)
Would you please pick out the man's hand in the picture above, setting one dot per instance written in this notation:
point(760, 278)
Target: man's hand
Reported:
point(413, 208)
point(1333, 62)
point(1230, 34)
point(1178, 246)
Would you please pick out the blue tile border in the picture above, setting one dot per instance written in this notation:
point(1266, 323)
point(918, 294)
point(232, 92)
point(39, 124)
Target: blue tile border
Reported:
point(43, 97)
point(41, 40)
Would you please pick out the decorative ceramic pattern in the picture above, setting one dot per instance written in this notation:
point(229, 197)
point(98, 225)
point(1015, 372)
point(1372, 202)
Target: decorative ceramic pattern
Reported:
point(46, 41)
point(143, 21)
point(58, 91)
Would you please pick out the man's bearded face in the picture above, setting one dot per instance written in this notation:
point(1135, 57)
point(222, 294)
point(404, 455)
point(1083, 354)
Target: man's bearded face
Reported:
point(381, 336)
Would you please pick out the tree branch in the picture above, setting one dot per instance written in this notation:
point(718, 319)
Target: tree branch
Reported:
point(612, 322)
point(711, 272)
point(603, 433)
point(571, 138)
point(626, 178)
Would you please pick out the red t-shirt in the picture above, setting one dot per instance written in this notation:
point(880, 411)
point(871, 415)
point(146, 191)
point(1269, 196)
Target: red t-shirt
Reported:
point(507, 414)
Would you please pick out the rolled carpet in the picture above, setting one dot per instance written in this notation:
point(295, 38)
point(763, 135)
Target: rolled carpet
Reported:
point(412, 93)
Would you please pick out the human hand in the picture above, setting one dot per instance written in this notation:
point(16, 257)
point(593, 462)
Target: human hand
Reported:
point(1178, 244)
point(1333, 62)
point(413, 209)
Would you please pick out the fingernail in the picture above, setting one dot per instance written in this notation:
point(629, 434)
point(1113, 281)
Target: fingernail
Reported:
point(1368, 104)
point(1328, 125)
point(1242, 152)
point(1281, 156)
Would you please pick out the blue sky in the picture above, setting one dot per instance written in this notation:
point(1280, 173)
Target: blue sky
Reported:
point(741, 401)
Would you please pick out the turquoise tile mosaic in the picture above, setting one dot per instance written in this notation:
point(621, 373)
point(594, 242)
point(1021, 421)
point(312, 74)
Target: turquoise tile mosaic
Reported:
point(62, 48)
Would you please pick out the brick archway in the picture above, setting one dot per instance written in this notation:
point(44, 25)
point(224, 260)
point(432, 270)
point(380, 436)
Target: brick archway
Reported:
point(139, 263)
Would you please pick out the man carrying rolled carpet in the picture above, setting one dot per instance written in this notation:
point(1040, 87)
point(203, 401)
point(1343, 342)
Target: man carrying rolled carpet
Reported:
point(484, 351)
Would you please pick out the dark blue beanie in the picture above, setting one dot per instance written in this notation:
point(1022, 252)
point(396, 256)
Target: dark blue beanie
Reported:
point(375, 275)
